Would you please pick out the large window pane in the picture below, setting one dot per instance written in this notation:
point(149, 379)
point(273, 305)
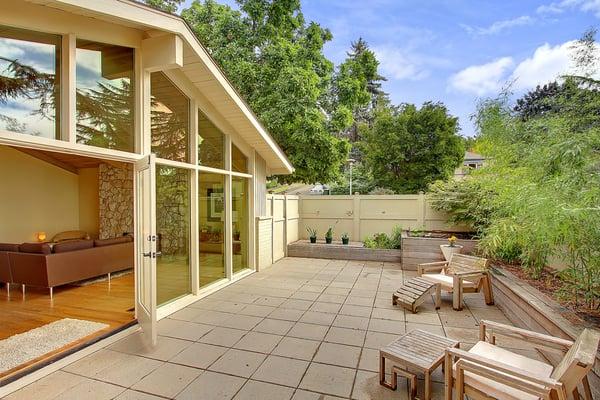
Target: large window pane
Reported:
point(170, 119)
point(211, 143)
point(173, 227)
point(239, 162)
point(29, 82)
point(211, 210)
point(239, 205)
point(105, 95)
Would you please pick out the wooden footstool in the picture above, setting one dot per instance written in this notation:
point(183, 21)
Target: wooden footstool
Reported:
point(416, 350)
point(414, 291)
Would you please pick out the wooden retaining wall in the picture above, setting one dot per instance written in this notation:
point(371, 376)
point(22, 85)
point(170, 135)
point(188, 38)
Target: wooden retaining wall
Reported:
point(417, 250)
point(528, 308)
point(338, 251)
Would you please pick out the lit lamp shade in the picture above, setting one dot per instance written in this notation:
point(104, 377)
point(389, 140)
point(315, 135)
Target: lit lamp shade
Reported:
point(41, 236)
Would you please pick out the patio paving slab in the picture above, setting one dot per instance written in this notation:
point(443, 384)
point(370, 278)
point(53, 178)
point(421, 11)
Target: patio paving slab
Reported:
point(212, 385)
point(281, 370)
point(303, 329)
point(254, 390)
point(167, 380)
point(238, 362)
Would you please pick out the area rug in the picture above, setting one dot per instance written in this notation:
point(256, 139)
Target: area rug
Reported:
point(25, 347)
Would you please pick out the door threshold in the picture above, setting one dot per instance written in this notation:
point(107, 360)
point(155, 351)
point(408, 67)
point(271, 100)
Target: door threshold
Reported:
point(43, 362)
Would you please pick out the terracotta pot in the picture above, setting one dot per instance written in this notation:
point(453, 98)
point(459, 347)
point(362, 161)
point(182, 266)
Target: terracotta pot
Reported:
point(448, 250)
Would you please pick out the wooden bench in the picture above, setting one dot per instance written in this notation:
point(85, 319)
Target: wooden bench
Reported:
point(462, 274)
point(413, 293)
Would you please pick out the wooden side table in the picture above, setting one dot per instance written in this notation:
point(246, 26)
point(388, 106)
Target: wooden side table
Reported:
point(414, 291)
point(416, 350)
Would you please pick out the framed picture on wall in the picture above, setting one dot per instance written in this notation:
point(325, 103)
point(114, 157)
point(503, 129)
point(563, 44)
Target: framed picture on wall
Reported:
point(215, 204)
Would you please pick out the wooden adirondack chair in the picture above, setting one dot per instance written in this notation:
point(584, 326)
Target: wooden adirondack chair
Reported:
point(462, 274)
point(489, 372)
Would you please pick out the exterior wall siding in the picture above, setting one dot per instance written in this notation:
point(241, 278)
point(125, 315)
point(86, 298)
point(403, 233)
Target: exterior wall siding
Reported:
point(264, 242)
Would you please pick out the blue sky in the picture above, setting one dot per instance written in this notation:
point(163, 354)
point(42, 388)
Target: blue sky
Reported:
point(457, 51)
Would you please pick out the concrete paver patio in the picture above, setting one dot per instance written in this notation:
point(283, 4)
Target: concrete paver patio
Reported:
point(302, 329)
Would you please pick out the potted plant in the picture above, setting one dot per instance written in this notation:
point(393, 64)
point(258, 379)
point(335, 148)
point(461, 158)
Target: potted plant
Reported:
point(236, 235)
point(450, 248)
point(345, 238)
point(329, 234)
point(312, 234)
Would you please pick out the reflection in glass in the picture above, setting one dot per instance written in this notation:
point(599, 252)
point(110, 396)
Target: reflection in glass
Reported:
point(211, 211)
point(170, 119)
point(105, 95)
point(239, 205)
point(29, 82)
point(239, 162)
point(173, 231)
point(211, 143)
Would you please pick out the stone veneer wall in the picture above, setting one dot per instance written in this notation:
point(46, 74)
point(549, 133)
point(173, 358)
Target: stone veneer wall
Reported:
point(116, 200)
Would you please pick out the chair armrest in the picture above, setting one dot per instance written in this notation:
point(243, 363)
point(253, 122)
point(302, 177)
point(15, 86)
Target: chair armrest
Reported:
point(467, 274)
point(437, 266)
point(539, 339)
point(501, 372)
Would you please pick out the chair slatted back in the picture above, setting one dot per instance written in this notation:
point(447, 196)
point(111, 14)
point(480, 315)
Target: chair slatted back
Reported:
point(579, 360)
point(460, 263)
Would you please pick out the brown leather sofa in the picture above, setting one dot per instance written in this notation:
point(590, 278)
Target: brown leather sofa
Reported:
point(38, 264)
point(5, 275)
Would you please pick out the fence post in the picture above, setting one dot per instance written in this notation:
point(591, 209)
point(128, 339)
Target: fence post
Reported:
point(273, 228)
point(421, 205)
point(285, 224)
point(356, 218)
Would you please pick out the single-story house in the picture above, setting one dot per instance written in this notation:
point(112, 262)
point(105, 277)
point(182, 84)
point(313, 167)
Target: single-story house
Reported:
point(128, 162)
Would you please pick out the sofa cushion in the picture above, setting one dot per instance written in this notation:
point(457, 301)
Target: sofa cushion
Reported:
point(73, 245)
point(70, 235)
point(36, 248)
point(9, 247)
point(110, 242)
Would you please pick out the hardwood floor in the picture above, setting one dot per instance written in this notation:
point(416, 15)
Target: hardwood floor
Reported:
point(111, 304)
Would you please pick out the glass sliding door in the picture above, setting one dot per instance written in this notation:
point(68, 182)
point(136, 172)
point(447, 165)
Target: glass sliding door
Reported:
point(240, 226)
point(173, 233)
point(211, 212)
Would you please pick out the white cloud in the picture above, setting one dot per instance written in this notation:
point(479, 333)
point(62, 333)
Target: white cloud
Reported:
point(482, 79)
point(499, 26)
point(558, 7)
point(546, 64)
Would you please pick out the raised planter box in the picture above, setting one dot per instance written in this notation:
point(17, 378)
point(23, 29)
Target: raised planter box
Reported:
point(339, 251)
point(528, 308)
point(417, 250)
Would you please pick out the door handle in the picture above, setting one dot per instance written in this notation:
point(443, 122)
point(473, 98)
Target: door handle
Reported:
point(158, 254)
point(149, 254)
point(152, 255)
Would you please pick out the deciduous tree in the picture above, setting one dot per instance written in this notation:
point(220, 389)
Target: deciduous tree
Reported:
point(275, 60)
point(408, 148)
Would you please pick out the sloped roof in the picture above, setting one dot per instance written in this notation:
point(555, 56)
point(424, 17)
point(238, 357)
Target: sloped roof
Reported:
point(199, 67)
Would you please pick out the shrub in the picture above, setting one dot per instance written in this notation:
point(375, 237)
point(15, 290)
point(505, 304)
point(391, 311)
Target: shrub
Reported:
point(383, 241)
